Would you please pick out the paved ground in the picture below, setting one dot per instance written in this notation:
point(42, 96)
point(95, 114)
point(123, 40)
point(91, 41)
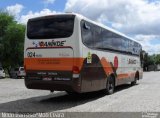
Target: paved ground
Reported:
point(145, 96)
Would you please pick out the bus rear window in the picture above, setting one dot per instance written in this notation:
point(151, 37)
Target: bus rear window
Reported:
point(60, 26)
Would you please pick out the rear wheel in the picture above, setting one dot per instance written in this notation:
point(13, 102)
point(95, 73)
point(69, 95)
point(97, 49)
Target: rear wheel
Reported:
point(110, 85)
point(135, 81)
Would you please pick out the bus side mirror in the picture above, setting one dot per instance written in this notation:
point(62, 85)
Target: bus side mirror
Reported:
point(87, 27)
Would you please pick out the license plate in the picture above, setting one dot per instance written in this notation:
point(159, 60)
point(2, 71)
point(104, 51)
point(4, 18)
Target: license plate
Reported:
point(47, 79)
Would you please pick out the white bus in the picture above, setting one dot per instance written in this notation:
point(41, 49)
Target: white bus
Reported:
point(68, 52)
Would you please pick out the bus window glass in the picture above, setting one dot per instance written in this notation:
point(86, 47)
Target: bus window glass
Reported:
point(117, 42)
point(51, 27)
point(93, 36)
point(107, 39)
point(137, 48)
point(124, 45)
point(87, 34)
point(130, 47)
point(97, 37)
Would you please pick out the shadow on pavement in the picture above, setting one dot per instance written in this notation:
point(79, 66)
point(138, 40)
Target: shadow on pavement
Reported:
point(53, 102)
point(123, 87)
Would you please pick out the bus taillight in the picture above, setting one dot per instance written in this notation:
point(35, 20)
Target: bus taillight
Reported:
point(76, 70)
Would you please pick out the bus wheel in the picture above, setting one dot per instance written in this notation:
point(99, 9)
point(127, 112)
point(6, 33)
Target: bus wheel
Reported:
point(110, 85)
point(134, 82)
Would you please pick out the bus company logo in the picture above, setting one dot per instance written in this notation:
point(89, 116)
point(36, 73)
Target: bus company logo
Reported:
point(131, 61)
point(35, 43)
point(116, 62)
point(49, 43)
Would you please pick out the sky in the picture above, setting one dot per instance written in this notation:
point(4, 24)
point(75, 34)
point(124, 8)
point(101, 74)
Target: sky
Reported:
point(139, 19)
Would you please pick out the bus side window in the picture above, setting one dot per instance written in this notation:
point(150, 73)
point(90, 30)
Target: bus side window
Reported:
point(124, 45)
point(87, 34)
point(116, 42)
point(107, 39)
point(98, 40)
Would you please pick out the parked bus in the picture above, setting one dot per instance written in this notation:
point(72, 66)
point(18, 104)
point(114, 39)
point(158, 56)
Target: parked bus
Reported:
point(68, 52)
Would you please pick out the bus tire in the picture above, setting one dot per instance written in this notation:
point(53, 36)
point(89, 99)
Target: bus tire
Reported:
point(135, 80)
point(110, 85)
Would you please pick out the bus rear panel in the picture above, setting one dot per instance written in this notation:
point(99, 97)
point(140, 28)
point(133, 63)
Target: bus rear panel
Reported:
point(51, 59)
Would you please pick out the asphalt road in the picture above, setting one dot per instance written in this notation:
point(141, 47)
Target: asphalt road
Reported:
point(143, 97)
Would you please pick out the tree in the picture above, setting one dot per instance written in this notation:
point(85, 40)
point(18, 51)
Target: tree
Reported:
point(13, 45)
point(11, 41)
point(148, 60)
point(157, 59)
point(5, 20)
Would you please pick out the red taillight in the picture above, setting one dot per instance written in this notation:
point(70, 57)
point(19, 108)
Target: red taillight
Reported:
point(76, 70)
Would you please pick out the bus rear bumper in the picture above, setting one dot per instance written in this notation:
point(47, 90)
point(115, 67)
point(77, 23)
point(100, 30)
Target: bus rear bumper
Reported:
point(72, 85)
